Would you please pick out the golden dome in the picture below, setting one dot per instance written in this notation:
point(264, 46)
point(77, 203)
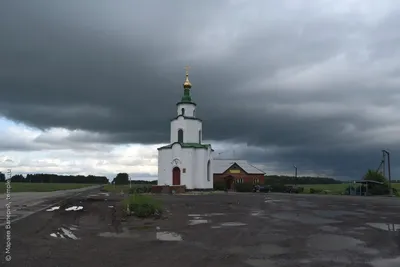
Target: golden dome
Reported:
point(187, 83)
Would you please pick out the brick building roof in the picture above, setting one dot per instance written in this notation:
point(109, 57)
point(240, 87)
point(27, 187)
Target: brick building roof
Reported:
point(221, 165)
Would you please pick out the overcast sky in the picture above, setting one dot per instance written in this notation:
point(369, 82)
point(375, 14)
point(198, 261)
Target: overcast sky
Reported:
point(90, 86)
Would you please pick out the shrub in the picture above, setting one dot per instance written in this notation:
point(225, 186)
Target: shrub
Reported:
point(315, 191)
point(280, 188)
point(142, 206)
point(298, 189)
point(140, 189)
point(245, 187)
point(219, 186)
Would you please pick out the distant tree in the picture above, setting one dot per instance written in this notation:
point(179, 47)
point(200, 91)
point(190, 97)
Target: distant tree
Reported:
point(18, 178)
point(375, 176)
point(2, 177)
point(121, 178)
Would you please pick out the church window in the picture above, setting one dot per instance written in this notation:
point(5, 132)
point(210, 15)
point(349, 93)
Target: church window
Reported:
point(199, 136)
point(183, 111)
point(208, 170)
point(194, 112)
point(180, 136)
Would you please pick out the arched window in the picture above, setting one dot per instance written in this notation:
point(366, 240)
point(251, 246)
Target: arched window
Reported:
point(208, 170)
point(199, 136)
point(180, 136)
point(194, 112)
point(183, 111)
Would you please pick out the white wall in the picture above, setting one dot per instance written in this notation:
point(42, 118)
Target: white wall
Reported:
point(189, 110)
point(190, 129)
point(195, 162)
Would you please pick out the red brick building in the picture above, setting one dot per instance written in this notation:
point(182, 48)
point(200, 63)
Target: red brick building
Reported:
point(236, 171)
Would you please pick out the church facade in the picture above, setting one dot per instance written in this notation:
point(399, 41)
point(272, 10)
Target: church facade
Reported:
point(186, 160)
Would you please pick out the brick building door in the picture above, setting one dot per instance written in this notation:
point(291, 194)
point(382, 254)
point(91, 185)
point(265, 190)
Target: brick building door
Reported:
point(176, 176)
point(229, 182)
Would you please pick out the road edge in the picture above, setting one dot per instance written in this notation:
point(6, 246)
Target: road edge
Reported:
point(46, 207)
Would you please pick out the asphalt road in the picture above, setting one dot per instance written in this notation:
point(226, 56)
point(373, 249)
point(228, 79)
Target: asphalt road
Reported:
point(213, 230)
point(23, 204)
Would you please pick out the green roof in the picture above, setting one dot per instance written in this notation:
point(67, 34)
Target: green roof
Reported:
point(187, 145)
point(187, 118)
point(186, 96)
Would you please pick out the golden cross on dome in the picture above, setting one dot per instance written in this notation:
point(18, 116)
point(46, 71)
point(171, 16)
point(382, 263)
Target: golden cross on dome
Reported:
point(187, 68)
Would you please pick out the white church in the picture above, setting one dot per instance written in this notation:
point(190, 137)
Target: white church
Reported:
point(186, 160)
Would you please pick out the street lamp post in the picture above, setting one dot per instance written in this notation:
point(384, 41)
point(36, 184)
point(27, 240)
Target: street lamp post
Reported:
point(295, 174)
point(389, 175)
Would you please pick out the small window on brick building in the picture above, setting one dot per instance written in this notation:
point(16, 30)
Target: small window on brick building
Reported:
point(256, 181)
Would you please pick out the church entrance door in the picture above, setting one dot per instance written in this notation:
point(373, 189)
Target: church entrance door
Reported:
point(176, 176)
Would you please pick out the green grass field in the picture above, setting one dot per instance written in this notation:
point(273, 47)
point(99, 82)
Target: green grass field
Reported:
point(334, 188)
point(40, 187)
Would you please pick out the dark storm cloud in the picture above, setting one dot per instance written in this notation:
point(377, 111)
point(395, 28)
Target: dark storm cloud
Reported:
point(315, 85)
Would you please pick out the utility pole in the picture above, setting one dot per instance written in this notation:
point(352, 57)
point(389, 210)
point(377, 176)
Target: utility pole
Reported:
point(389, 176)
point(295, 174)
point(383, 163)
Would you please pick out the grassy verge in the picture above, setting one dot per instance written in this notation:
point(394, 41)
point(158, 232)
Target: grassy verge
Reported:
point(333, 189)
point(142, 206)
point(40, 187)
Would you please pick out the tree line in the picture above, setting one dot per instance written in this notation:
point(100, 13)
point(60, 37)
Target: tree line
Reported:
point(121, 178)
point(56, 178)
point(284, 179)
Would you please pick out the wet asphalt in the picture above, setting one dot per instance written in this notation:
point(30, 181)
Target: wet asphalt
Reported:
point(221, 229)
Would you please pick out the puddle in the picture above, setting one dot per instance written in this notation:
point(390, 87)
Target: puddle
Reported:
point(390, 227)
point(270, 200)
point(395, 262)
point(233, 224)
point(216, 227)
point(305, 204)
point(328, 228)
point(198, 221)
point(74, 208)
point(168, 236)
point(303, 218)
point(360, 228)
point(205, 215)
point(264, 249)
point(105, 194)
point(64, 233)
point(53, 208)
point(68, 233)
point(330, 242)
point(336, 213)
point(124, 234)
point(257, 213)
point(260, 262)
